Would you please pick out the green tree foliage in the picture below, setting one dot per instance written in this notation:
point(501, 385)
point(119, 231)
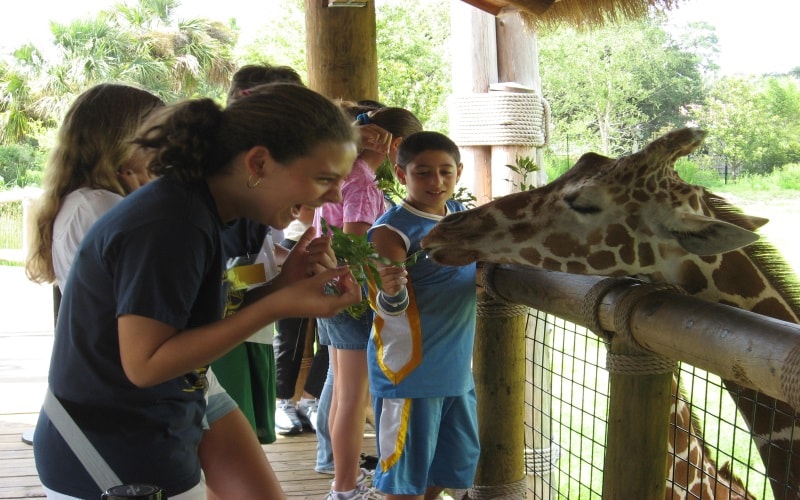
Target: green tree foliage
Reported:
point(413, 58)
point(137, 43)
point(613, 88)
point(282, 42)
point(20, 119)
point(19, 165)
point(753, 123)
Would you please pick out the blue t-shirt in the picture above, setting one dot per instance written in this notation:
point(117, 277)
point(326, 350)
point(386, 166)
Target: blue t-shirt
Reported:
point(427, 350)
point(156, 254)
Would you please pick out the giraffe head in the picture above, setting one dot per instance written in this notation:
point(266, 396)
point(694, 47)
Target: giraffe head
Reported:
point(627, 216)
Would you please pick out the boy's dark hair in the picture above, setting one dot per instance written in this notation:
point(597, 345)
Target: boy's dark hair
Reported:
point(420, 142)
point(252, 75)
point(400, 122)
point(371, 103)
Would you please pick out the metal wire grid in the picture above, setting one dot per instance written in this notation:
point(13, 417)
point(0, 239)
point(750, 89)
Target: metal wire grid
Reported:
point(566, 400)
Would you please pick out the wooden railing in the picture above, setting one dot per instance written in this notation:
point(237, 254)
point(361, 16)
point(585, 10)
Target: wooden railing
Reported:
point(750, 349)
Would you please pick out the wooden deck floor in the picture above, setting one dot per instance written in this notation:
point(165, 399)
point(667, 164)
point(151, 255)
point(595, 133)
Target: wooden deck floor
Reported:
point(292, 457)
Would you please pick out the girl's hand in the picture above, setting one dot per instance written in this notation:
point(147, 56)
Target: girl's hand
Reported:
point(394, 278)
point(375, 138)
point(313, 297)
point(308, 257)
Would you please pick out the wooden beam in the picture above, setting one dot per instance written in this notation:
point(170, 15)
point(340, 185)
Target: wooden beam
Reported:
point(496, 7)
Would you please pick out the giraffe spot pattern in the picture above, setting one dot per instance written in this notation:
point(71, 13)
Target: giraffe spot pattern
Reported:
point(574, 267)
point(646, 256)
point(618, 236)
point(513, 207)
point(561, 244)
point(773, 308)
point(551, 264)
point(521, 231)
point(601, 260)
point(692, 278)
point(736, 276)
point(532, 255)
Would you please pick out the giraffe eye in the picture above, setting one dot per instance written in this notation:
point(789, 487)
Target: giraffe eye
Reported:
point(581, 206)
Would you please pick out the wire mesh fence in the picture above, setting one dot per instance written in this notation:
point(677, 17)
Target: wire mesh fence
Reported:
point(566, 401)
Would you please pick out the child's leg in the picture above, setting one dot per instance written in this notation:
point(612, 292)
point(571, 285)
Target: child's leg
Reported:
point(234, 462)
point(324, 448)
point(351, 394)
point(458, 445)
point(407, 430)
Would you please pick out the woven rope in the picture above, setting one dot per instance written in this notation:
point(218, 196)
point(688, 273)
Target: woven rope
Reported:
point(488, 283)
point(626, 305)
point(511, 491)
point(645, 362)
point(541, 461)
point(639, 364)
point(494, 308)
point(590, 309)
point(500, 118)
point(790, 378)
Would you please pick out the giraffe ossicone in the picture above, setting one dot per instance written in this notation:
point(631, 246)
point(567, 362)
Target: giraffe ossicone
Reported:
point(635, 216)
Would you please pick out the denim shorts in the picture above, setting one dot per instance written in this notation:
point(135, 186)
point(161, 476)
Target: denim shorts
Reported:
point(345, 332)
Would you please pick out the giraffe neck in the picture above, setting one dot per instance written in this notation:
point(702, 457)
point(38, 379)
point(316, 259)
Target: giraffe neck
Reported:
point(755, 278)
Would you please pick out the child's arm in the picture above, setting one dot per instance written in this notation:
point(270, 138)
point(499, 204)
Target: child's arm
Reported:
point(393, 297)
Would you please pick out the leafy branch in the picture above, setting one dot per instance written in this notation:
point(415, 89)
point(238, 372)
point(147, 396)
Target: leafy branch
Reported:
point(524, 167)
point(359, 253)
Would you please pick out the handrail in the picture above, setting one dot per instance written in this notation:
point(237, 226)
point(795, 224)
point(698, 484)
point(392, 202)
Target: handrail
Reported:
point(753, 350)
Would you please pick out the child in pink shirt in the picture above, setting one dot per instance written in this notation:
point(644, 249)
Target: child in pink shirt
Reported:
point(346, 389)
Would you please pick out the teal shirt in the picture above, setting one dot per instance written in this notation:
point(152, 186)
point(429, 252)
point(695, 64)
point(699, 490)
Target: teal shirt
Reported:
point(426, 351)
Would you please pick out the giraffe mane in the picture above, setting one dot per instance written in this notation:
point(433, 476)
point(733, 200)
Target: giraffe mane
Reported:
point(764, 255)
point(726, 472)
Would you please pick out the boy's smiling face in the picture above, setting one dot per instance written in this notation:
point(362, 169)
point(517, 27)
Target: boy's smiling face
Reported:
point(430, 179)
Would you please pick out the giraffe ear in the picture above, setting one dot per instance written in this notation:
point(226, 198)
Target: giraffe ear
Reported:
point(703, 235)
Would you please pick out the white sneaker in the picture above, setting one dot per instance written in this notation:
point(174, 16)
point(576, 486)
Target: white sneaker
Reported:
point(364, 480)
point(286, 420)
point(307, 413)
point(360, 493)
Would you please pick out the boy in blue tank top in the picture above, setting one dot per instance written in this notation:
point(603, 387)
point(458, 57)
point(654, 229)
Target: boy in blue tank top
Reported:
point(420, 350)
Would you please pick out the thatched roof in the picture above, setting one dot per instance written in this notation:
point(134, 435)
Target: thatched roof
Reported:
point(577, 13)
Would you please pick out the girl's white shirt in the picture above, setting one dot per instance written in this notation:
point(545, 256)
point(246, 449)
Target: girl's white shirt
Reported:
point(81, 209)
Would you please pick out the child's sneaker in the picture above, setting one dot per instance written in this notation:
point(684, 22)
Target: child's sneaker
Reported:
point(286, 420)
point(358, 494)
point(363, 482)
point(307, 413)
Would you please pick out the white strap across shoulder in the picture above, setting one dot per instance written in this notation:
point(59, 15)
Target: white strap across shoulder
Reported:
point(88, 455)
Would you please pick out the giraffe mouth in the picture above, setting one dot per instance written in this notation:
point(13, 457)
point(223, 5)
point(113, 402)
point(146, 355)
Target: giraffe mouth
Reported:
point(452, 256)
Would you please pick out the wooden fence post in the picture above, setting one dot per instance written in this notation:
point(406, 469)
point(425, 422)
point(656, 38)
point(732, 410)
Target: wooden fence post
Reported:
point(499, 371)
point(638, 429)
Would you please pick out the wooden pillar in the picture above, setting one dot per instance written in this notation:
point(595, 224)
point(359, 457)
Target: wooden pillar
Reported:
point(341, 50)
point(474, 52)
point(639, 404)
point(517, 61)
point(499, 370)
point(638, 429)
